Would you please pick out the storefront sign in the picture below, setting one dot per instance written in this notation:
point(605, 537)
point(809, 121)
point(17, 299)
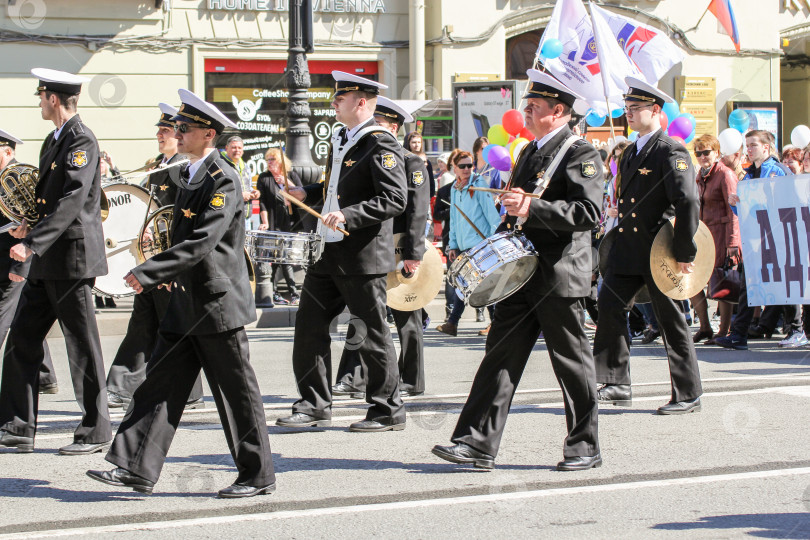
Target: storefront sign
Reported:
point(319, 6)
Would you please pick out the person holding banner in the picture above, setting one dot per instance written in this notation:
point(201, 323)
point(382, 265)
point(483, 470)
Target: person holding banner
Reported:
point(656, 182)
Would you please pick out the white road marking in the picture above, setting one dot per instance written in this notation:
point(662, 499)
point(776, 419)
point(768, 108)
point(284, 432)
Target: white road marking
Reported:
point(406, 505)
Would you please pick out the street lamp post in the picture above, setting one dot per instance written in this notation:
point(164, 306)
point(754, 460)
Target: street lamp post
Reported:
point(297, 81)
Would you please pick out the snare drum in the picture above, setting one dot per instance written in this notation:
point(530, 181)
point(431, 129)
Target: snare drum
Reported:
point(493, 269)
point(283, 247)
point(128, 206)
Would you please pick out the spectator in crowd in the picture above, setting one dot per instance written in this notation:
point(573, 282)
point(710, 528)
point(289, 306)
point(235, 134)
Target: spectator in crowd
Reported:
point(234, 150)
point(610, 212)
point(441, 213)
point(445, 176)
point(479, 207)
point(792, 159)
point(734, 162)
point(716, 183)
point(806, 160)
point(481, 167)
point(276, 214)
point(414, 143)
point(759, 147)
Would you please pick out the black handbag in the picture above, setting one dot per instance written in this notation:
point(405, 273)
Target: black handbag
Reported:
point(725, 282)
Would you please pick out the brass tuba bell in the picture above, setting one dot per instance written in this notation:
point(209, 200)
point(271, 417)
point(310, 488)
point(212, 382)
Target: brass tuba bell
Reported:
point(18, 184)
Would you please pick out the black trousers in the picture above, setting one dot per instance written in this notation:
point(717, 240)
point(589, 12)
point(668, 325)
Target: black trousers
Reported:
point(323, 298)
point(144, 437)
point(611, 348)
point(9, 299)
point(770, 317)
point(42, 303)
point(745, 313)
point(287, 273)
point(411, 355)
point(128, 369)
point(518, 321)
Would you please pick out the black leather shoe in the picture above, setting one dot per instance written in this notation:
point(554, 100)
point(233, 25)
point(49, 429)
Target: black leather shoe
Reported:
point(409, 392)
point(116, 401)
point(240, 491)
point(680, 407)
point(343, 389)
point(299, 420)
point(123, 478)
point(464, 454)
point(82, 449)
point(373, 426)
point(196, 404)
point(759, 332)
point(580, 463)
point(616, 394)
point(24, 445)
point(650, 336)
point(51, 388)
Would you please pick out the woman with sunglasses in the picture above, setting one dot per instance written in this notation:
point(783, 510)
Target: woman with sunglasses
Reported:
point(715, 183)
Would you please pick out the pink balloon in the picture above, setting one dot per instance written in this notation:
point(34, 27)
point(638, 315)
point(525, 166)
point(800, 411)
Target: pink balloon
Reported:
point(680, 127)
point(499, 158)
point(679, 140)
point(664, 119)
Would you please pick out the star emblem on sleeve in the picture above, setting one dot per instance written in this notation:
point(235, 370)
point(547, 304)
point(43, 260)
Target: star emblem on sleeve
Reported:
point(349, 163)
point(188, 213)
point(644, 172)
point(164, 187)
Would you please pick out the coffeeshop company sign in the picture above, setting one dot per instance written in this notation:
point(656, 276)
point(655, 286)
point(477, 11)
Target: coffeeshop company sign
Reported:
point(319, 6)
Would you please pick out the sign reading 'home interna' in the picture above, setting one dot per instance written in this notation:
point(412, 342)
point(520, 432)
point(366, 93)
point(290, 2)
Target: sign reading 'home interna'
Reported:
point(324, 6)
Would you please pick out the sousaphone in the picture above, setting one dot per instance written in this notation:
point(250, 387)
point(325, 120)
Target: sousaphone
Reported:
point(665, 269)
point(415, 291)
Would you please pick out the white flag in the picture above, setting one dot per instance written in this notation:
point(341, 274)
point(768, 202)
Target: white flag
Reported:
point(649, 48)
point(578, 66)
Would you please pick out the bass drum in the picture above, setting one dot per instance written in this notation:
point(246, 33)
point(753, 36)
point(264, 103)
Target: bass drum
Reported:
point(129, 205)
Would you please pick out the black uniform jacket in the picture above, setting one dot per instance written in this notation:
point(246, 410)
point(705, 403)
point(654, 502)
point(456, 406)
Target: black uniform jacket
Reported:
point(206, 263)
point(67, 241)
point(165, 190)
point(652, 187)
point(413, 220)
point(560, 223)
point(371, 191)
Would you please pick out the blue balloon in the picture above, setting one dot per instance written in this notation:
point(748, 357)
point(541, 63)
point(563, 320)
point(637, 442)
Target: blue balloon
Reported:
point(672, 110)
point(552, 48)
point(487, 149)
point(633, 136)
point(594, 119)
point(690, 137)
point(738, 119)
point(691, 120)
point(615, 113)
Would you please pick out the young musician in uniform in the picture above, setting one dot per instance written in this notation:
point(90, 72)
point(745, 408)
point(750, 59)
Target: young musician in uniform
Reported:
point(364, 190)
point(559, 226)
point(64, 253)
point(128, 369)
point(210, 304)
point(411, 224)
point(656, 181)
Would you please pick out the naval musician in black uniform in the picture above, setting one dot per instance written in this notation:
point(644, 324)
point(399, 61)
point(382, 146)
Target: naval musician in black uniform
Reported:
point(59, 258)
point(656, 181)
point(364, 189)
point(128, 369)
point(211, 302)
point(411, 225)
point(559, 226)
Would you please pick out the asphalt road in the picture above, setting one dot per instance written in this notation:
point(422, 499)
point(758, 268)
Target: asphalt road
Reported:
point(741, 467)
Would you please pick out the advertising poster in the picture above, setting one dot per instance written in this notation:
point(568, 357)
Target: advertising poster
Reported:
point(479, 106)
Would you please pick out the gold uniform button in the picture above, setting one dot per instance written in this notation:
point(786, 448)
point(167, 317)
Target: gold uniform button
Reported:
point(634, 214)
point(632, 200)
point(635, 229)
point(508, 225)
point(621, 201)
point(621, 215)
point(621, 229)
point(338, 196)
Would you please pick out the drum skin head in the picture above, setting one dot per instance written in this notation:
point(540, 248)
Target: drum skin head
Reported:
point(497, 286)
point(410, 294)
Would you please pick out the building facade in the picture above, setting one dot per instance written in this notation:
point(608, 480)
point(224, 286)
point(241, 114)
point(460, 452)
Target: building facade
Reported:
point(138, 52)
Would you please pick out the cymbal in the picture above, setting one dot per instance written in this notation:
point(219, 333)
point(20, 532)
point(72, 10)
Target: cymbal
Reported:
point(643, 295)
point(665, 270)
point(409, 293)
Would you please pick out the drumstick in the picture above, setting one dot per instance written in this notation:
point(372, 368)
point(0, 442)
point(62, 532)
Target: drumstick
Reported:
point(307, 209)
point(505, 191)
point(470, 222)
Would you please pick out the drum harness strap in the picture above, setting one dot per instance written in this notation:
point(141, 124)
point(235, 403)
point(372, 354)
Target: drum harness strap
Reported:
point(549, 172)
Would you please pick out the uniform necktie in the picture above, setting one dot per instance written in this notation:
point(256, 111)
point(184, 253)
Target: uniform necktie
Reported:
point(343, 137)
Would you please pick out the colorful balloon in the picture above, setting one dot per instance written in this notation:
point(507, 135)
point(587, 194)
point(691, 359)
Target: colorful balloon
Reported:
point(514, 145)
point(485, 152)
point(680, 127)
point(691, 119)
point(633, 136)
point(498, 135)
point(526, 134)
point(731, 141)
point(616, 113)
point(800, 136)
point(552, 48)
point(594, 119)
point(672, 110)
point(738, 119)
point(690, 137)
point(512, 121)
point(664, 120)
point(679, 140)
point(499, 158)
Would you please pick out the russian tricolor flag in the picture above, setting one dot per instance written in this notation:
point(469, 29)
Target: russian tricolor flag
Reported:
point(722, 10)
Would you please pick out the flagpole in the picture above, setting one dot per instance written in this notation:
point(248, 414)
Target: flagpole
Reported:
point(699, 20)
point(603, 71)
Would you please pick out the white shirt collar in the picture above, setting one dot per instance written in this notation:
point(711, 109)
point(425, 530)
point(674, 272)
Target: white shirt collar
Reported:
point(642, 140)
point(194, 167)
point(58, 131)
point(547, 137)
point(352, 132)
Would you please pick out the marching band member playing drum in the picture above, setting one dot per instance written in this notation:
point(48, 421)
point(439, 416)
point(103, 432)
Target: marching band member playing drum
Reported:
point(211, 302)
point(411, 224)
point(128, 369)
point(64, 252)
point(559, 225)
point(365, 188)
point(656, 181)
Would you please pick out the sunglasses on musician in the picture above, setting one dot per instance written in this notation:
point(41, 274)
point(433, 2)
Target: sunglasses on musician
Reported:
point(184, 127)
